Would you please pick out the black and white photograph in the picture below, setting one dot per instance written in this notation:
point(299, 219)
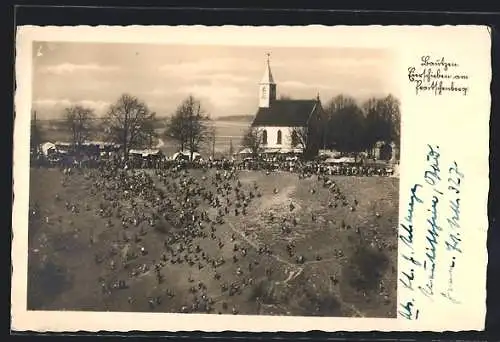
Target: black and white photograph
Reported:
point(213, 179)
point(250, 179)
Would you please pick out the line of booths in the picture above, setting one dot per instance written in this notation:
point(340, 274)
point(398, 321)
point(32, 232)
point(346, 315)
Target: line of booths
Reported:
point(103, 150)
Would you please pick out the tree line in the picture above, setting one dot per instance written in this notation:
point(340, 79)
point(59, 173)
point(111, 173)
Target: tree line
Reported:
point(353, 127)
point(344, 125)
point(130, 123)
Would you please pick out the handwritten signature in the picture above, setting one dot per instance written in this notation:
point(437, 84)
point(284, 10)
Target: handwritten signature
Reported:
point(407, 236)
point(448, 293)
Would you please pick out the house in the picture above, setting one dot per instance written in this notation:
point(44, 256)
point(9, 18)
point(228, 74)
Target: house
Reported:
point(287, 125)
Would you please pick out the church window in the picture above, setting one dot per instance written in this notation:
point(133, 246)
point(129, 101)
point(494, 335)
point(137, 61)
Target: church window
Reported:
point(278, 139)
point(264, 137)
point(295, 138)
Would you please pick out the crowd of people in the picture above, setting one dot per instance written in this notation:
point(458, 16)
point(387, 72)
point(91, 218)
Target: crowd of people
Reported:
point(189, 210)
point(285, 164)
point(317, 167)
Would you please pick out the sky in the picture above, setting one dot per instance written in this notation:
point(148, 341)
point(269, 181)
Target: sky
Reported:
point(224, 78)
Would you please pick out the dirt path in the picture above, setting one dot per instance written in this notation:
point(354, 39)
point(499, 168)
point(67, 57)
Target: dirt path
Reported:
point(281, 199)
point(291, 276)
point(254, 244)
point(298, 270)
point(292, 271)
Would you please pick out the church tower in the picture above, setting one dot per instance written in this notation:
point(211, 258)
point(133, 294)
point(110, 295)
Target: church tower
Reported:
point(267, 87)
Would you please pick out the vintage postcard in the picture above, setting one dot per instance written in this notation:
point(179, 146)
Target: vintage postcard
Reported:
point(251, 178)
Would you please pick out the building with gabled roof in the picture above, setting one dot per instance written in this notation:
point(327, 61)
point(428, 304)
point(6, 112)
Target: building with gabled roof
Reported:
point(287, 125)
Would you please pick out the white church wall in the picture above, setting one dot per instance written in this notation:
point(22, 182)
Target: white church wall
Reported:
point(272, 136)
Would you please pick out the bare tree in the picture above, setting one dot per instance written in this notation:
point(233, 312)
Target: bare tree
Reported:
point(189, 125)
point(176, 129)
point(78, 120)
point(149, 134)
point(212, 135)
point(252, 140)
point(36, 136)
point(393, 108)
point(231, 148)
point(300, 137)
point(347, 129)
point(339, 102)
point(383, 120)
point(129, 122)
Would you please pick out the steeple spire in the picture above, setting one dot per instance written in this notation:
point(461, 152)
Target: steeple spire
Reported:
point(267, 87)
point(267, 78)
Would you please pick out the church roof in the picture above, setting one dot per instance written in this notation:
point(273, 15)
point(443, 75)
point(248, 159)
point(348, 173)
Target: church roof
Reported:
point(289, 113)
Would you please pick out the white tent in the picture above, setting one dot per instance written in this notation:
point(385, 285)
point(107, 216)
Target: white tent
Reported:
point(186, 155)
point(347, 160)
point(272, 150)
point(48, 146)
point(177, 155)
point(290, 150)
point(145, 152)
point(245, 151)
point(329, 153)
point(135, 152)
point(339, 160)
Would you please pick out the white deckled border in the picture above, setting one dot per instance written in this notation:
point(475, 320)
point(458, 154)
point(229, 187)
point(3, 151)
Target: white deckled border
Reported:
point(422, 119)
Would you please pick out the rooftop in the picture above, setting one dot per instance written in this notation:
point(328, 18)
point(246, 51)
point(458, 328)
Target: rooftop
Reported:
point(285, 113)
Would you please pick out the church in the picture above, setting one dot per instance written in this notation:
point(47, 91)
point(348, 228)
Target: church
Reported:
point(286, 125)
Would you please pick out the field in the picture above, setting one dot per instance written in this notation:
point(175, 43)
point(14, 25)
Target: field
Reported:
point(344, 261)
point(225, 132)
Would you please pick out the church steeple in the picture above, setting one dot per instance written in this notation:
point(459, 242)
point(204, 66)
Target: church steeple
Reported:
point(267, 78)
point(267, 87)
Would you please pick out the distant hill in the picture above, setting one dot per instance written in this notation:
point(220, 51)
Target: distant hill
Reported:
point(245, 118)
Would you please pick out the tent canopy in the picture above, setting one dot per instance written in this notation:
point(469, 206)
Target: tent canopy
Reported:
point(186, 155)
point(272, 150)
point(339, 160)
point(290, 150)
point(62, 144)
point(146, 152)
point(46, 147)
point(245, 151)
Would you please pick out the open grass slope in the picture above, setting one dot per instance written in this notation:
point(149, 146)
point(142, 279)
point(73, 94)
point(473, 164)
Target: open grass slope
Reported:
point(348, 265)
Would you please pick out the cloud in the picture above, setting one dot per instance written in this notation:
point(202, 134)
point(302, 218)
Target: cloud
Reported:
point(59, 104)
point(158, 92)
point(338, 63)
point(69, 68)
point(52, 102)
point(219, 96)
point(303, 85)
point(223, 77)
point(350, 62)
point(50, 46)
point(210, 66)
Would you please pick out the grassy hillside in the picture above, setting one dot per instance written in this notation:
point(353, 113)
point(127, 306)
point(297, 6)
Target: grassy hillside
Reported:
point(349, 264)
